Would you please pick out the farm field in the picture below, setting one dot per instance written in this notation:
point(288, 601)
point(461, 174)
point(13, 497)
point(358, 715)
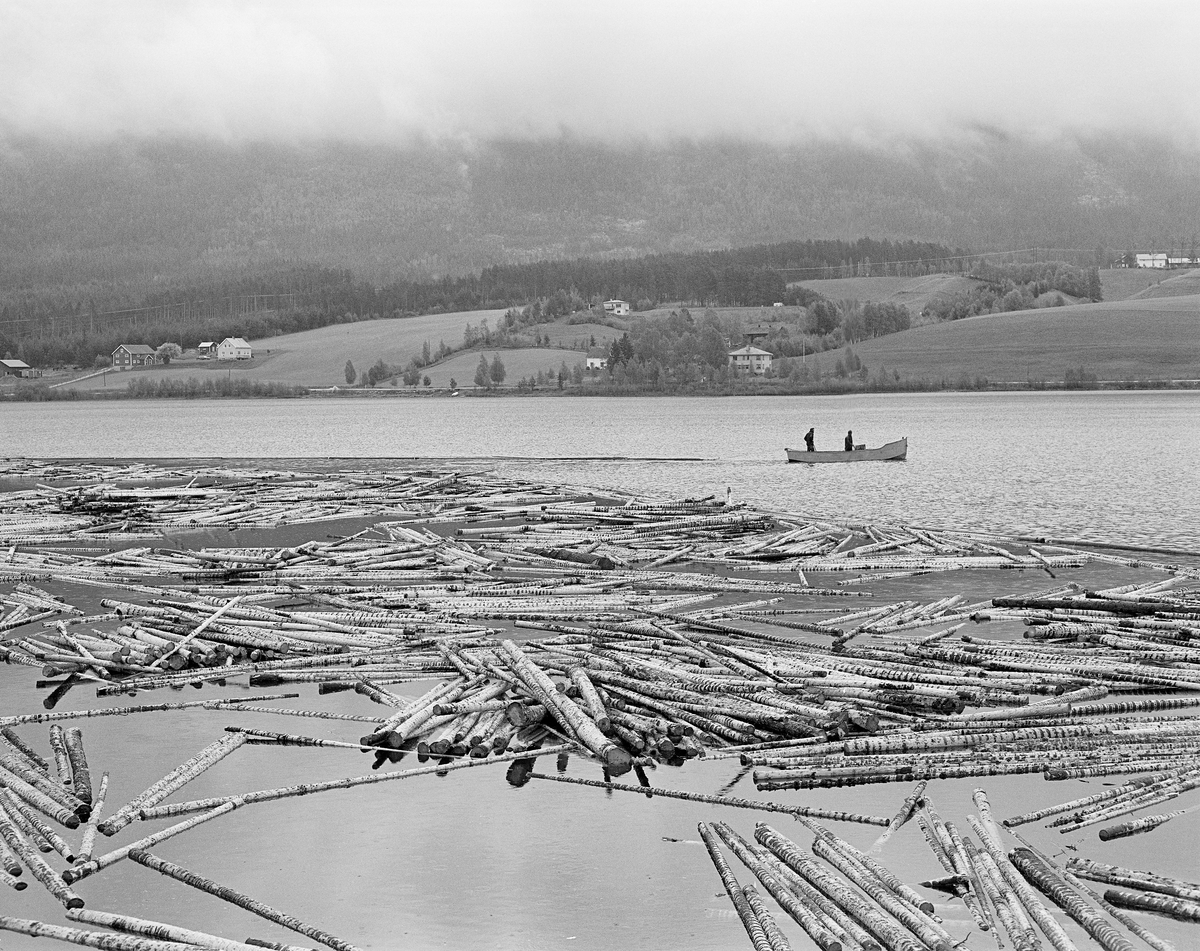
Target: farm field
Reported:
point(915, 293)
point(1122, 283)
point(1178, 284)
point(318, 357)
point(517, 364)
point(1153, 339)
point(747, 315)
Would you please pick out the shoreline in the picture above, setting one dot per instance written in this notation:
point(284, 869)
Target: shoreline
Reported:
point(255, 390)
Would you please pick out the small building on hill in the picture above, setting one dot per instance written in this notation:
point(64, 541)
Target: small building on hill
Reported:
point(1153, 259)
point(234, 348)
point(18, 368)
point(597, 358)
point(206, 350)
point(750, 361)
point(129, 355)
point(618, 308)
point(761, 330)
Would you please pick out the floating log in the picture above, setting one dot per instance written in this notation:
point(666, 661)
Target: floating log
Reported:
point(35, 759)
point(1132, 878)
point(157, 929)
point(89, 939)
point(16, 807)
point(1179, 908)
point(181, 874)
point(305, 789)
point(91, 827)
point(915, 921)
point(733, 801)
point(617, 759)
point(1049, 884)
point(822, 919)
point(754, 928)
point(1136, 927)
point(907, 808)
point(1024, 897)
point(53, 807)
point(175, 780)
point(37, 866)
point(81, 777)
point(890, 934)
point(1136, 826)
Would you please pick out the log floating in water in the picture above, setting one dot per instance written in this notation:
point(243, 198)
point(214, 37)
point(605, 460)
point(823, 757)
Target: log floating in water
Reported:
point(176, 779)
point(1132, 878)
point(181, 874)
point(1049, 884)
point(89, 939)
point(754, 928)
point(37, 866)
point(733, 801)
point(1179, 908)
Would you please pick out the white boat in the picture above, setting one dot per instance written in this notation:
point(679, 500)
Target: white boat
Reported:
point(892, 451)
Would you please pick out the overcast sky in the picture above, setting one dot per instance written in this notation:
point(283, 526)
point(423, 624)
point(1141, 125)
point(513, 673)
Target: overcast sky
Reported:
point(297, 71)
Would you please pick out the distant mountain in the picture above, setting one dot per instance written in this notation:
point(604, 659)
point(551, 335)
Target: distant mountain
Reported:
point(121, 217)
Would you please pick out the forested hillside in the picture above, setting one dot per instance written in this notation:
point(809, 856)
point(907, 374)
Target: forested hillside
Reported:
point(111, 221)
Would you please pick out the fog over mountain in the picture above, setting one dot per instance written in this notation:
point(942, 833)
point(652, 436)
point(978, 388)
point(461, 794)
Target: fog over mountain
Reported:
point(383, 72)
point(143, 140)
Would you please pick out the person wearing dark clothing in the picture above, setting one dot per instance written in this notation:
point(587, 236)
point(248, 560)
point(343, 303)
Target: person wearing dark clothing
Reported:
point(849, 440)
point(809, 437)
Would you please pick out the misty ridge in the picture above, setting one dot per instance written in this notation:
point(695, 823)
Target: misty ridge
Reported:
point(110, 221)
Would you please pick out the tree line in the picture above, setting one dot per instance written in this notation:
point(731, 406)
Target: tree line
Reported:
point(751, 276)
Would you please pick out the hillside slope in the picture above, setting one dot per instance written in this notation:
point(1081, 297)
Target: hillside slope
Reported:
point(1153, 339)
point(318, 357)
point(1173, 284)
point(915, 293)
point(128, 212)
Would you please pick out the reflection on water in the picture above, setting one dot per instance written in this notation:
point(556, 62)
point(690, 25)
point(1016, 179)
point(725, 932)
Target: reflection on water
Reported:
point(1118, 466)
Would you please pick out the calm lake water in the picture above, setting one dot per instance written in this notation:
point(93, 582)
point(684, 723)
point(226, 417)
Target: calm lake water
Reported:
point(466, 861)
point(1117, 466)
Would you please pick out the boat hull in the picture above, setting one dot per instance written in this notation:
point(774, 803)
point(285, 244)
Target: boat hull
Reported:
point(891, 452)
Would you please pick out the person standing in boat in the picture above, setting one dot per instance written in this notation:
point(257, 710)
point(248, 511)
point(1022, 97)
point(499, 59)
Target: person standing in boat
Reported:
point(849, 440)
point(809, 439)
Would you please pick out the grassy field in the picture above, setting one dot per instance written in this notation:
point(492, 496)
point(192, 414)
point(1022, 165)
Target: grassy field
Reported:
point(318, 357)
point(1178, 284)
point(747, 315)
point(517, 363)
point(1122, 283)
point(1154, 339)
point(915, 293)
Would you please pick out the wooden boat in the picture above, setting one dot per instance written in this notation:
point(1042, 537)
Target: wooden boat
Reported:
point(892, 451)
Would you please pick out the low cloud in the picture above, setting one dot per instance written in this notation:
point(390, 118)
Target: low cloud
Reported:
point(380, 72)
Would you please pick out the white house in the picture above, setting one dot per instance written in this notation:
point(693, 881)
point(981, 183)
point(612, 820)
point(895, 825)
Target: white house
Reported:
point(1153, 259)
point(618, 308)
point(597, 358)
point(234, 348)
point(750, 360)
